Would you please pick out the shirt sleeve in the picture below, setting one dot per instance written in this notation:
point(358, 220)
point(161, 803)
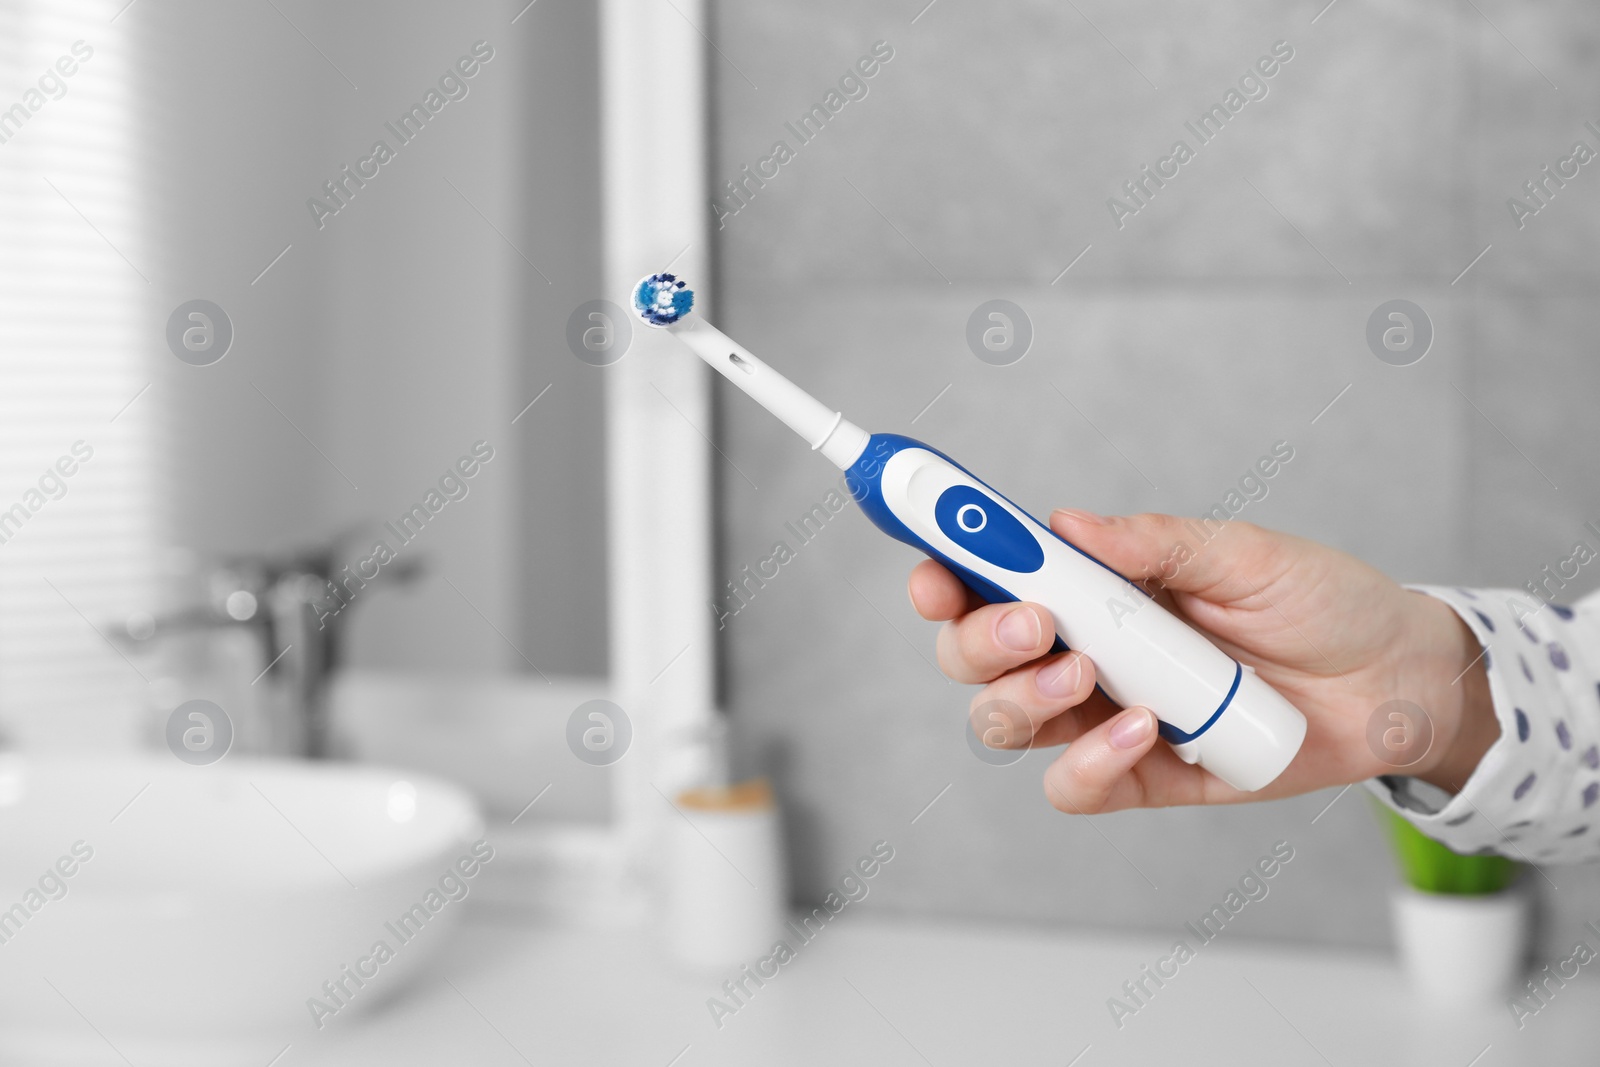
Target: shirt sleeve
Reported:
point(1533, 796)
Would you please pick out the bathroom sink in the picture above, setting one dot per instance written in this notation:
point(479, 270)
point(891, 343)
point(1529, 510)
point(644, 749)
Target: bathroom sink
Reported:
point(193, 912)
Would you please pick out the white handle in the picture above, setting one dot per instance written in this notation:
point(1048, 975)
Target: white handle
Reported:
point(1215, 712)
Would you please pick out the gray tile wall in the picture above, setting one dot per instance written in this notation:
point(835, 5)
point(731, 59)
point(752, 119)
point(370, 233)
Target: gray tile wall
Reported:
point(1224, 316)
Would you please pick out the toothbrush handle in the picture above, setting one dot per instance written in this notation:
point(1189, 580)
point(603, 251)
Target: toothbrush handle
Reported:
point(1212, 710)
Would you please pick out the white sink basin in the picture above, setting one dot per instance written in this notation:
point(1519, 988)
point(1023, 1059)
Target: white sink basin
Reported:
point(185, 912)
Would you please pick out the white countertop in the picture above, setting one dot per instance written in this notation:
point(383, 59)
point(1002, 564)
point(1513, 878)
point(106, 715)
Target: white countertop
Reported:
point(871, 990)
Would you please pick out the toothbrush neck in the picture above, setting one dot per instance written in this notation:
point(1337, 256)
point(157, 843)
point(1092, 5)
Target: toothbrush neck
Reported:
point(844, 444)
point(823, 428)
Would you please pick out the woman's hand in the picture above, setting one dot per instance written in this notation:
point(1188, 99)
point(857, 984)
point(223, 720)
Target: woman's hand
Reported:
point(1333, 635)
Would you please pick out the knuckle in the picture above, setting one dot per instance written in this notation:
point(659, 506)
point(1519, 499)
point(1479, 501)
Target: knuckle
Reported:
point(1082, 776)
point(1236, 531)
point(999, 722)
point(1087, 785)
point(1067, 797)
point(1157, 521)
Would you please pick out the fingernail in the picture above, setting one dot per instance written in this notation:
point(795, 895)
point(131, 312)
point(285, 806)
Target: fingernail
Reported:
point(1132, 728)
point(1060, 679)
point(1019, 630)
point(1080, 516)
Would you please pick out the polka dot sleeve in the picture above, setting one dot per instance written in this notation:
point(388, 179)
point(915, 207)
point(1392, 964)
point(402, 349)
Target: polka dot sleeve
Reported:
point(1533, 796)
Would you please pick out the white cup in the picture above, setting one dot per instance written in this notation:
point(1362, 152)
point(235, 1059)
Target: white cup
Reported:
point(725, 887)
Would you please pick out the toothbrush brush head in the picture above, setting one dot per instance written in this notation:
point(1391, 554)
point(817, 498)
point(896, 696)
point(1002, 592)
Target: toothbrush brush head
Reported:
point(662, 299)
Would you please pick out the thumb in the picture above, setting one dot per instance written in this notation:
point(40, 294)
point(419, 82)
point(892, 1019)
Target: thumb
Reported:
point(1217, 561)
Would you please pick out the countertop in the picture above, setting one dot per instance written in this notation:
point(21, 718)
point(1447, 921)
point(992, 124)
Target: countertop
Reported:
point(872, 990)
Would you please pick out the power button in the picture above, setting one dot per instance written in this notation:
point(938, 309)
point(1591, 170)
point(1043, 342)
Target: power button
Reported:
point(982, 526)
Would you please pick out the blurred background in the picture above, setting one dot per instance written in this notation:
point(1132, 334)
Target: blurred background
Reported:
point(364, 341)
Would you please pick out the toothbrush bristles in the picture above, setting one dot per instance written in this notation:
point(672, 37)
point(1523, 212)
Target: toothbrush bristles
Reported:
point(662, 299)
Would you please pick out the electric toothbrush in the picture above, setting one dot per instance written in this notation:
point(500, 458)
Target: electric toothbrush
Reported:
point(1213, 710)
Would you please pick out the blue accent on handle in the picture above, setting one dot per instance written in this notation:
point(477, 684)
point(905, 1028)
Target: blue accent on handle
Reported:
point(973, 520)
point(1174, 736)
point(864, 477)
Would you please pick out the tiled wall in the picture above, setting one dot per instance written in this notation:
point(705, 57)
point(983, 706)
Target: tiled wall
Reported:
point(1222, 317)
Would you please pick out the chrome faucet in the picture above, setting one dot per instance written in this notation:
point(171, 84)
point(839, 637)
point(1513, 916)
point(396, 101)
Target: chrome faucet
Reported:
point(295, 614)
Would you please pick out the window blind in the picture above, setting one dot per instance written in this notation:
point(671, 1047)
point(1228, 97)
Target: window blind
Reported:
point(78, 513)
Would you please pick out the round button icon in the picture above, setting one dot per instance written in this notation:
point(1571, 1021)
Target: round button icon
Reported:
point(199, 332)
point(999, 332)
point(998, 723)
point(972, 518)
point(199, 732)
point(1399, 332)
point(599, 332)
point(599, 733)
point(1399, 733)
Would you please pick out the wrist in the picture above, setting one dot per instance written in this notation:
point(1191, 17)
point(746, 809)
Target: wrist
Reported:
point(1457, 693)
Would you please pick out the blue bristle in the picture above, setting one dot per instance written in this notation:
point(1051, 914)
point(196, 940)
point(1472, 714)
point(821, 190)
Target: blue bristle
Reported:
point(647, 299)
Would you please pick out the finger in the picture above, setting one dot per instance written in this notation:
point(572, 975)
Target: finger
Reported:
point(1013, 710)
point(1073, 723)
point(1222, 562)
point(1004, 725)
point(983, 644)
point(939, 595)
point(1094, 774)
point(1160, 779)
